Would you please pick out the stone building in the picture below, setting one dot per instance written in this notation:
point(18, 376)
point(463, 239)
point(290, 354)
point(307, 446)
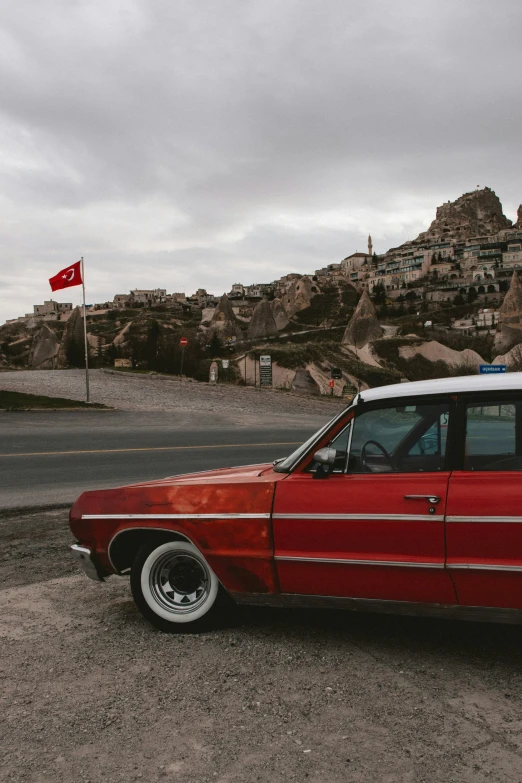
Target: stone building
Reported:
point(51, 310)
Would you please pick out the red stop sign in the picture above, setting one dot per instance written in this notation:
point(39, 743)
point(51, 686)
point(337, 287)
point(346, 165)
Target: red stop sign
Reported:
point(183, 342)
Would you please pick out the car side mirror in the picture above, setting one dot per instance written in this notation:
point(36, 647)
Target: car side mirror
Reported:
point(326, 459)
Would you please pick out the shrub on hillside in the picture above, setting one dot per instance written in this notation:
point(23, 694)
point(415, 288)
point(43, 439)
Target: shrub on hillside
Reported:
point(334, 305)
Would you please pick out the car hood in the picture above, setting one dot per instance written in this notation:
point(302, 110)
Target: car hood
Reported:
point(244, 490)
point(242, 473)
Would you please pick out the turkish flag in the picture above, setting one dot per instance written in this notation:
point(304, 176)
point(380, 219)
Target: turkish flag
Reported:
point(67, 277)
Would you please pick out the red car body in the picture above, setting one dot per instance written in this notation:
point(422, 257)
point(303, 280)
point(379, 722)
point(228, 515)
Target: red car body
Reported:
point(430, 526)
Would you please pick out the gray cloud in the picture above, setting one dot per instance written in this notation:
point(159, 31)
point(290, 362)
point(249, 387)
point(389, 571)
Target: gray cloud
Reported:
point(195, 144)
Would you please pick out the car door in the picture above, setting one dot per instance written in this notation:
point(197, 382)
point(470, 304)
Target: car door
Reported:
point(375, 527)
point(484, 511)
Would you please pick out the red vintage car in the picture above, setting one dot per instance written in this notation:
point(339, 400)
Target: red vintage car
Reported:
point(409, 501)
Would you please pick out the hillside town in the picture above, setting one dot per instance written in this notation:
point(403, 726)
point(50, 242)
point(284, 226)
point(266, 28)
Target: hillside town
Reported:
point(470, 250)
point(441, 303)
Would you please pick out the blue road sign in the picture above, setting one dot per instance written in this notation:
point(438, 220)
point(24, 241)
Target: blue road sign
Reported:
point(488, 369)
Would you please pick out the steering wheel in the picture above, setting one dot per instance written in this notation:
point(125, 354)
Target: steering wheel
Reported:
point(365, 465)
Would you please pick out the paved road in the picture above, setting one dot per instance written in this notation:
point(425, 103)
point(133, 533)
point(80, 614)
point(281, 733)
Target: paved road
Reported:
point(50, 457)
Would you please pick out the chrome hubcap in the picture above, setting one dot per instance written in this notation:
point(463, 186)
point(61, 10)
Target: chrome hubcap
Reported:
point(179, 582)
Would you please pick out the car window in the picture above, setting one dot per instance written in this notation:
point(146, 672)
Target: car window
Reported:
point(288, 463)
point(493, 436)
point(401, 439)
point(433, 441)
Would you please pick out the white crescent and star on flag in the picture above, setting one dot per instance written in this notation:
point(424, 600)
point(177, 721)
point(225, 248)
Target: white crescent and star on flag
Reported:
point(68, 275)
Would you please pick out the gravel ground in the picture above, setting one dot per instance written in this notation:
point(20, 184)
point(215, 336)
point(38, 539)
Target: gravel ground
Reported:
point(90, 692)
point(153, 393)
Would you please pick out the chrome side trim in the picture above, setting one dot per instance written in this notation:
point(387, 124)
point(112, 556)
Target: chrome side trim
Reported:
point(491, 520)
point(482, 567)
point(354, 561)
point(386, 517)
point(175, 516)
point(408, 608)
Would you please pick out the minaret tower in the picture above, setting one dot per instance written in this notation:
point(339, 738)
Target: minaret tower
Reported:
point(370, 246)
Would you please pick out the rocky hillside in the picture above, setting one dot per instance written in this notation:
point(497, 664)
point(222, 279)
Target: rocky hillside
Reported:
point(329, 327)
point(316, 324)
point(478, 213)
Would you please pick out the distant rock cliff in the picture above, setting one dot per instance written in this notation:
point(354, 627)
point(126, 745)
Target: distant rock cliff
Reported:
point(478, 213)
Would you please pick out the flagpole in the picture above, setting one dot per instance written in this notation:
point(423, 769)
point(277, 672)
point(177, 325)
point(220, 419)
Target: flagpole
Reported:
point(85, 338)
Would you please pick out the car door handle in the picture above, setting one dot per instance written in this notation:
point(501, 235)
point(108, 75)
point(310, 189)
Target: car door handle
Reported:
point(433, 499)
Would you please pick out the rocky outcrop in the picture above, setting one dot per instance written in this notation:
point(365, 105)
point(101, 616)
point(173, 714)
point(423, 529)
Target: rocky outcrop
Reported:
point(262, 323)
point(280, 315)
point(512, 359)
point(206, 316)
point(43, 349)
point(299, 295)
point(436, 352)
point(224, 323)
point(478, 213)
point(122, 334)
point(510, 316)
point(363, 326)
point(518, 224)
point(72, 347)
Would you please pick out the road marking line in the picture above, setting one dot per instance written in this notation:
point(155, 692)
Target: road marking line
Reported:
point(151, 448)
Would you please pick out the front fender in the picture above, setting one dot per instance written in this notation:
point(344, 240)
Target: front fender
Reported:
point(229, 523)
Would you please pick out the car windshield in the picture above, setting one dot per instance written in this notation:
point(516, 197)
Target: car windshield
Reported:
point(287, 464)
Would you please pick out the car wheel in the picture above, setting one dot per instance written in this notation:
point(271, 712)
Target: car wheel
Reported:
point(174, 587)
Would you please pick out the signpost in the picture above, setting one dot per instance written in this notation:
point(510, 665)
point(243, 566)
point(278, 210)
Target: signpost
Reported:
point(492, 369)
point(265, 371)
point(213, 375)
point(183, 342)
point(224, 363)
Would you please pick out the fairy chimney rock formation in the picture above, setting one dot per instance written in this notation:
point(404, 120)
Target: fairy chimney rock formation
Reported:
point(280, 314)
point(363, 326)
point(510, 315)
point(299, 295)
point(262, 323)
point(73, 341)
point(43, 349)
point(224, 323)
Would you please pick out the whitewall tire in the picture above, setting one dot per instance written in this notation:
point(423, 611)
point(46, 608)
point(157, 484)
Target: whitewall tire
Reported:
point(173, 586)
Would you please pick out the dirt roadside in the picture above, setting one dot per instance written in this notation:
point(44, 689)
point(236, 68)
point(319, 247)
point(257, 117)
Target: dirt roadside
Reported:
point(90, 692)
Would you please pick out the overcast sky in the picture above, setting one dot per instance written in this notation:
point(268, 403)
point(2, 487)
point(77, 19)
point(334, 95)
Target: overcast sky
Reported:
point(185, 144)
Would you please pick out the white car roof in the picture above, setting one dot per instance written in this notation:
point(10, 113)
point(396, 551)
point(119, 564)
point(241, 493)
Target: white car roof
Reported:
point(465, 383)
